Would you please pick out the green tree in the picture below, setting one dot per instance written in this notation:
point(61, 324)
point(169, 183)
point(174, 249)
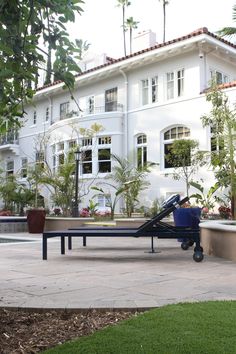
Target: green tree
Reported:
point(82, 47)
point(24, 26)
point(62, 183)
point(229, 31)
point(23, 197)
point(8, 186)
point(130, 24)
point(123, 4)
point(132, 179)
point(164, 3)
point(222, 122)
point(206, 199)
point(185, 157)
point(35, 173)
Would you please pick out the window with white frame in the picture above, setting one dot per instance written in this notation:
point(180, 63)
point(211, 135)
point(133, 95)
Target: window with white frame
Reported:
point(104, 140)
point(170, 85)
point(87, 141)
point(149, 88)
point(39, 158)
point(145, 92)
point(10, 168)
point(104, 154)
point(219, 76)
point(47, 114)
point(104, 160)
point(217, 142)
point(87, 162)
point(61, 159)
point(174, 84)
point(154, 89)
point(180, 82)
point(141, 148)
point(111, 100)
point(72, 144)
point(90, 104)
point(103, 201)
point(34, 118)
point(24, 163)
point(64, 109)
point(178, 132)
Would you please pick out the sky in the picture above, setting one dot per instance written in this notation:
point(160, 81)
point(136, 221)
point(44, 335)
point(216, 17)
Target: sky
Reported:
point(100, 23)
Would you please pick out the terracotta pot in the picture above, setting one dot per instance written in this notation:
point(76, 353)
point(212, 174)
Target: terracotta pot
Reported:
point(36, 221)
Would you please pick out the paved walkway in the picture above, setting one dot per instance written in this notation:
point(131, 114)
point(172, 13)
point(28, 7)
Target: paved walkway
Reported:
point(109, 273)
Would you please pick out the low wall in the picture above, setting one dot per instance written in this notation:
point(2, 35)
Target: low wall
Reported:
point(130, 222)
point(12, 224)
point(218, 238)
point(58, 223)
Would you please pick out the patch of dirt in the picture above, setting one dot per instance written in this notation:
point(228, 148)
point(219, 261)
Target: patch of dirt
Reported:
point(29, 332)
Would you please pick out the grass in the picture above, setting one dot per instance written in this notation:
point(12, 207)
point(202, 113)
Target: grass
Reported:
point(206, 327)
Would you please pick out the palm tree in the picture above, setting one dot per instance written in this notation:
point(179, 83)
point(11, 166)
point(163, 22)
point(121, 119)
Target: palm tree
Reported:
point(164, 3)
point(123, 4)
point(130, 24)
point(229, 31)
point(82, 47)
point(131, 180)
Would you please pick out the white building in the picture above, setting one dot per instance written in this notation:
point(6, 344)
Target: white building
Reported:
point(143, 101)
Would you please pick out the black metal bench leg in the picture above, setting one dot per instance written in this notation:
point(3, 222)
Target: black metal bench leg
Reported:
point(62, 244)
point(69, 243)
point(44, 247)
point(84, 241)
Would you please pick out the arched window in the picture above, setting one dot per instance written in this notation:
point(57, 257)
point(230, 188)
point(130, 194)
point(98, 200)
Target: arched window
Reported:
point(141, 145)
point(177, 132)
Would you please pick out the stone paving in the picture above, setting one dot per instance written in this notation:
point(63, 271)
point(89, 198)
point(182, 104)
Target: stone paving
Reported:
point(109, 273)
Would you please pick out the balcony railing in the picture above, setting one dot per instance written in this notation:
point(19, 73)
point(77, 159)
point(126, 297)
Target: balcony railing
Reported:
point(11, 137)
point(109, 107)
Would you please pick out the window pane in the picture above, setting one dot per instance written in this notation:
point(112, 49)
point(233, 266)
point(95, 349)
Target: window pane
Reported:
point(104, 140)
point(91, 104)
point(145, 91)
point(154, 89)
point(104, 163)
point(64, 109)
point(104, 154)
point(111, 100)
point(170, 85)
point(141, 139)
point(173, 133)
point(180, 75)
point(87, 168)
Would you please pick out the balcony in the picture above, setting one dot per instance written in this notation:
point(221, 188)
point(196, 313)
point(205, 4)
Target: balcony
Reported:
point(10, 141)
point(109, 107)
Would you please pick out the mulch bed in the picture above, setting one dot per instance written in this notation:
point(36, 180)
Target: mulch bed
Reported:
point(29, 332)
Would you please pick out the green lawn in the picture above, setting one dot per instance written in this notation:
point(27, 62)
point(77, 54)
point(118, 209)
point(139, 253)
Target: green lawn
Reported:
point(206, 327)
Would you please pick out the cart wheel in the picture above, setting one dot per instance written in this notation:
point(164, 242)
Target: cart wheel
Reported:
point(190, 243)
point(184, 246)
point(198, 256)
point(199, 249)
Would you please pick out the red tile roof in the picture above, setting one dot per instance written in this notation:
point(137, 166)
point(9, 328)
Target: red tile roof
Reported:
point(111, 61)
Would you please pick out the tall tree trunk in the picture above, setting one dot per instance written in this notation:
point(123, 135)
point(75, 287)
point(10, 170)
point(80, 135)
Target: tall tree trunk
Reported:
point(124, 30)
point(164, 21)
point(49, 65)
point(130, 41)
